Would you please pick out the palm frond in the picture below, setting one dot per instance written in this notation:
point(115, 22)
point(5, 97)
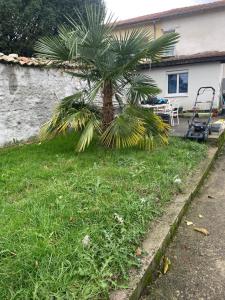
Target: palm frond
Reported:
point(129, 44)
point(93, 16)
point(158, 47)
point(94, 29)
point(71, 112)
point(59, 121)
point(85, 38)
point(119, 100)
point(52, 48)
point(146, 142)
point(71, 40)
point(156, 130)
point(129, 49)
point(124, 131)
point(87, 134)
point(136, 126)
point(137, 45)
point(141, 86)
point(94, 90)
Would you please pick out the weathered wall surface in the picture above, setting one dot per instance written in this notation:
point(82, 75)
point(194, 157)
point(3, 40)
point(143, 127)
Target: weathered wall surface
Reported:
point(200, 32)
point(27, 98)
point(194, 32)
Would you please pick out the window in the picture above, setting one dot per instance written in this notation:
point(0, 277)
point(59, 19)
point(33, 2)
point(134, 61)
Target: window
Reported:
point(171, 50)
point(178, 83)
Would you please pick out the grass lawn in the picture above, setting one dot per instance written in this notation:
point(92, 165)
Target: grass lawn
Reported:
point(71, 223)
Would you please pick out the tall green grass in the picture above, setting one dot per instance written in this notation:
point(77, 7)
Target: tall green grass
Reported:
point(70, 223)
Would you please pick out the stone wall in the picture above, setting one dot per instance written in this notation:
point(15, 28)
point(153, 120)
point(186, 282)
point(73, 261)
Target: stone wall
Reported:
point(28, 96)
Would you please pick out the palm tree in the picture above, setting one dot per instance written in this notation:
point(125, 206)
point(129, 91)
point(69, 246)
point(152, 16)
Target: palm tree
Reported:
point(108, 63)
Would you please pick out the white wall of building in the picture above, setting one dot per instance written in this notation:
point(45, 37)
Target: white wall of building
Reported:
point(27, 98)
point(198, 32)
point(201, 74)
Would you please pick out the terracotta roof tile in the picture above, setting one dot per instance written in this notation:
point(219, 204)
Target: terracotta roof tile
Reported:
point(37, 62)
point(173, 13)
point(31, 61)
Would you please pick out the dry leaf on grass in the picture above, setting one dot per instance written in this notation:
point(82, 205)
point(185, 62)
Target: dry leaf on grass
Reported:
point(72, 219)
point(189, 223)
point(202, 230)
point(138, 251)
point(166, 264)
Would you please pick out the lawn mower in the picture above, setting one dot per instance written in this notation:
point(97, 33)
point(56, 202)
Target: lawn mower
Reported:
point(197, 129)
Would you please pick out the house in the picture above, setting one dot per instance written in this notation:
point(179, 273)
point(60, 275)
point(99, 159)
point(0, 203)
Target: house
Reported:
point(199, 57)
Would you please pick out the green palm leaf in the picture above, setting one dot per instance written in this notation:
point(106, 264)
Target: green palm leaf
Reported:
point(158, 47)
point(125, 131)
point(137, 46)
point(141, 87)
point(52, 48)
point(156, 130)
point(92, 126)
point(71, 112)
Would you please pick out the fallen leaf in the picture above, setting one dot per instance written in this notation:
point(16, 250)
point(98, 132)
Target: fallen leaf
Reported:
point(202, 230)
point(138, 251)
point(189, 223)
point(86, 240)
point(200, 216)
point(177, 180)
point(166, 264)
point(211, 197)
point(72, 219)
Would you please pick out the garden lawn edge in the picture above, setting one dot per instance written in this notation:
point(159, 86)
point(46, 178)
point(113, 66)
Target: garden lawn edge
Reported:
point(162, 231)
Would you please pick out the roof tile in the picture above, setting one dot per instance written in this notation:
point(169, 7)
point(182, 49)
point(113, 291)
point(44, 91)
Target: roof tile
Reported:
point(172, 13)
point(32, 61)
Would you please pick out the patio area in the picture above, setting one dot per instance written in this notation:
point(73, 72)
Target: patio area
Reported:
point(181, 129)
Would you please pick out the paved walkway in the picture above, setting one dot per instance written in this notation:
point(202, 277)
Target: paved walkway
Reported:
point(197, 261)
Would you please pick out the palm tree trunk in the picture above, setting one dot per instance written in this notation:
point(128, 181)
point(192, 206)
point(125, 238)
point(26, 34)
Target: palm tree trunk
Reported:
point(108, 110)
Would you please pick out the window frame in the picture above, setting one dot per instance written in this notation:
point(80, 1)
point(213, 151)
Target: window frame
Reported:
point(177, 94)
point(172, 51)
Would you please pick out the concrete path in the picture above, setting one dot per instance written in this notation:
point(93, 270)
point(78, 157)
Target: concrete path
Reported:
point(197, 269)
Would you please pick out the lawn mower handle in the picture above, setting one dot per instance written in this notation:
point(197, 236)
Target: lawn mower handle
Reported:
point(206, 88)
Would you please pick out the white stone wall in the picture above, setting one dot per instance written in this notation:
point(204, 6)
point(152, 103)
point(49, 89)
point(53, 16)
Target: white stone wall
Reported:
point(27, 98)
point(201, 74)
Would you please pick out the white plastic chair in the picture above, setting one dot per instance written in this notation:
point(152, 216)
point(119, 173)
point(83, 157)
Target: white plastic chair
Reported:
point(175, 115)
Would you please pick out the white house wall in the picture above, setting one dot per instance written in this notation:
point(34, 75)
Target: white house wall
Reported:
point(204, 74)
point(198, 33)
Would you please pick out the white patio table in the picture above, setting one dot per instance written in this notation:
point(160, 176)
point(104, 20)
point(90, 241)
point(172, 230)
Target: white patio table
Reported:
point(158, 109)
